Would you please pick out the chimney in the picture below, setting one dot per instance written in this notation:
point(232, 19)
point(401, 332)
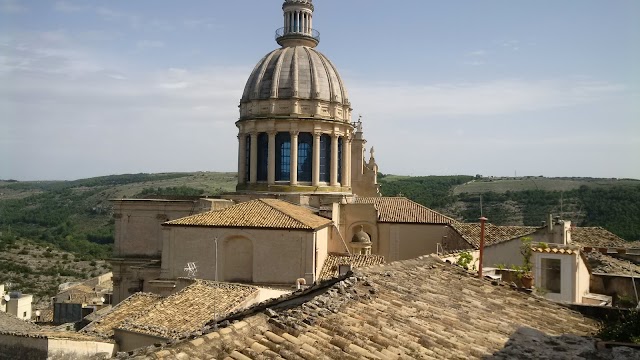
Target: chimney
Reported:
point(550, 224)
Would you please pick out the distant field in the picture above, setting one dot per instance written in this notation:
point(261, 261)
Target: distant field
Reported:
point(502, 185)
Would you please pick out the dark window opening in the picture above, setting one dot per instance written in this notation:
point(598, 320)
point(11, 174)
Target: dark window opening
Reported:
point(325, 158)
point(263, 156)
point(551, 278)
point(305, 155)
point(247, 159)
point(340, 160)
point(283, 156)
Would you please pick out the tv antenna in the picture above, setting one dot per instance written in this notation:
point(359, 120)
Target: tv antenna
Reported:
point(191, 270)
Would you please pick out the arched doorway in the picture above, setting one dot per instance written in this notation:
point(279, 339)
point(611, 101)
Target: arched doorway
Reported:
point(238, 260)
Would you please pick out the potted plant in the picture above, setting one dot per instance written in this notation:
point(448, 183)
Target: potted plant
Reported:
point(524, 274)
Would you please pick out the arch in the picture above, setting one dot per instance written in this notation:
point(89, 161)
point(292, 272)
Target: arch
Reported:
point(238, 259)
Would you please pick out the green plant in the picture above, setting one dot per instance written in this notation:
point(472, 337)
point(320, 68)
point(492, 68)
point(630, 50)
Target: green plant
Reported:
point(543, 245)
point(465, 259)
point(501, 266)
point(526, 252)
point(623, 327)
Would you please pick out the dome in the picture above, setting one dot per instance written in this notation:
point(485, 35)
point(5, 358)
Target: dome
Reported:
point(361, 237)
point(298, 72)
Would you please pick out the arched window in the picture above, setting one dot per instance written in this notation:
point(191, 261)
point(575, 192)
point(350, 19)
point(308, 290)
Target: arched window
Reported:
point(305, 155)
point(247, 159)
point(263, 156)
point(325, 158)
point(340, 159)
point(283, 156)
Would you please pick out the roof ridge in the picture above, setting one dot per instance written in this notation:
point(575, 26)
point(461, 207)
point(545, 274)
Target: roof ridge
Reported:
point(288, 215)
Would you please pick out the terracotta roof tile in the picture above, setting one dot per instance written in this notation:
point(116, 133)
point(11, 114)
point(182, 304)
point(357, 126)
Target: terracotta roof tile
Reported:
point(419, 308)
point(189, 309)
point(599, 237)
point(10, 324)
point(555, 250)
point(330, 266)
point(605, 264)
point(493, 234)
point(260, 213)
point(403, 210)
point(128, 308)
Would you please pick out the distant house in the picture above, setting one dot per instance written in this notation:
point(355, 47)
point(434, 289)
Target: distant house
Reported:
point(23, 340)
point(16, 303)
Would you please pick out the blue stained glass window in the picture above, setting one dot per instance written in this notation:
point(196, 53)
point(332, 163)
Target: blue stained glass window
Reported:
point(247, 159)
point(325, 158)
point(263, 156)
point(283, 156)
point(340, 159)
point(305, 155)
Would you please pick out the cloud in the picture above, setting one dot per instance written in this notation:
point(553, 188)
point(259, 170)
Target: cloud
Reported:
point(150, 44)
point(66, 6)
point(12, 7)
point(74, 115)
point(494, 97)
point(477, 53)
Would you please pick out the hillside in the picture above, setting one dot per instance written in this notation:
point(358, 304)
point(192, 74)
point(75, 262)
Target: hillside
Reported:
point(75, 216)
point(37, 269)
point(611, 203)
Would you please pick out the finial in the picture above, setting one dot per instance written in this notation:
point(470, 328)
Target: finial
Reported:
point(298, 21)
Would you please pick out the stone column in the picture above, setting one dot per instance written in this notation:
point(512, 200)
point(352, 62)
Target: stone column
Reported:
point(315, 173)
point(242, 158)
point(334, 160)
point(346, 162)
point(271, 163)
point(293, 179)
point(253, 159)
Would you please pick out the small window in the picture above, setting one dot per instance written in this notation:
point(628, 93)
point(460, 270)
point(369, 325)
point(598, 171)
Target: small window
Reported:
point(551, 275)
point(24, 315)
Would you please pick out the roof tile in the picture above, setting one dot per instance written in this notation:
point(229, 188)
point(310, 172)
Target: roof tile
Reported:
point(493, 234)
point(330, 266)
point(403, 210)
point(260, 213)
point(407, 309)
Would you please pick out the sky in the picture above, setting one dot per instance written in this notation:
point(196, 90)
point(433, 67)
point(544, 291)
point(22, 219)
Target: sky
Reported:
point(492, 87)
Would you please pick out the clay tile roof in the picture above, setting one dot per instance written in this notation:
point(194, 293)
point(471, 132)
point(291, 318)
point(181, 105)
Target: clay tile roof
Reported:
point(598, 237)
point(421, 308)
point(493, 234)
point(10, 324)
point(129, 307)
point(605, 264)
point(330, 266)
point(403, 210)
point(190, 309)
point(553, 250)
point(260, 213)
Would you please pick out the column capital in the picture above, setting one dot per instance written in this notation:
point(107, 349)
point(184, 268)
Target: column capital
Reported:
point(294, 132)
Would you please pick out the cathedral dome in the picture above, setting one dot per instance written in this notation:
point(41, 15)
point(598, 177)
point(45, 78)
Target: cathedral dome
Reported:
point(295, 72)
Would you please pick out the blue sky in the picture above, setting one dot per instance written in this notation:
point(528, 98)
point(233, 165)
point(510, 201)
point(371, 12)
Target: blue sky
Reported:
point(490, 87)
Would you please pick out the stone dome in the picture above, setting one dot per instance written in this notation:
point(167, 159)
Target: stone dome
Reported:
point(296, 72)
point(361, 237)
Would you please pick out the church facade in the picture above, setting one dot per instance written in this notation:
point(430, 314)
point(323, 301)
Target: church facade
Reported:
point(305, 188)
